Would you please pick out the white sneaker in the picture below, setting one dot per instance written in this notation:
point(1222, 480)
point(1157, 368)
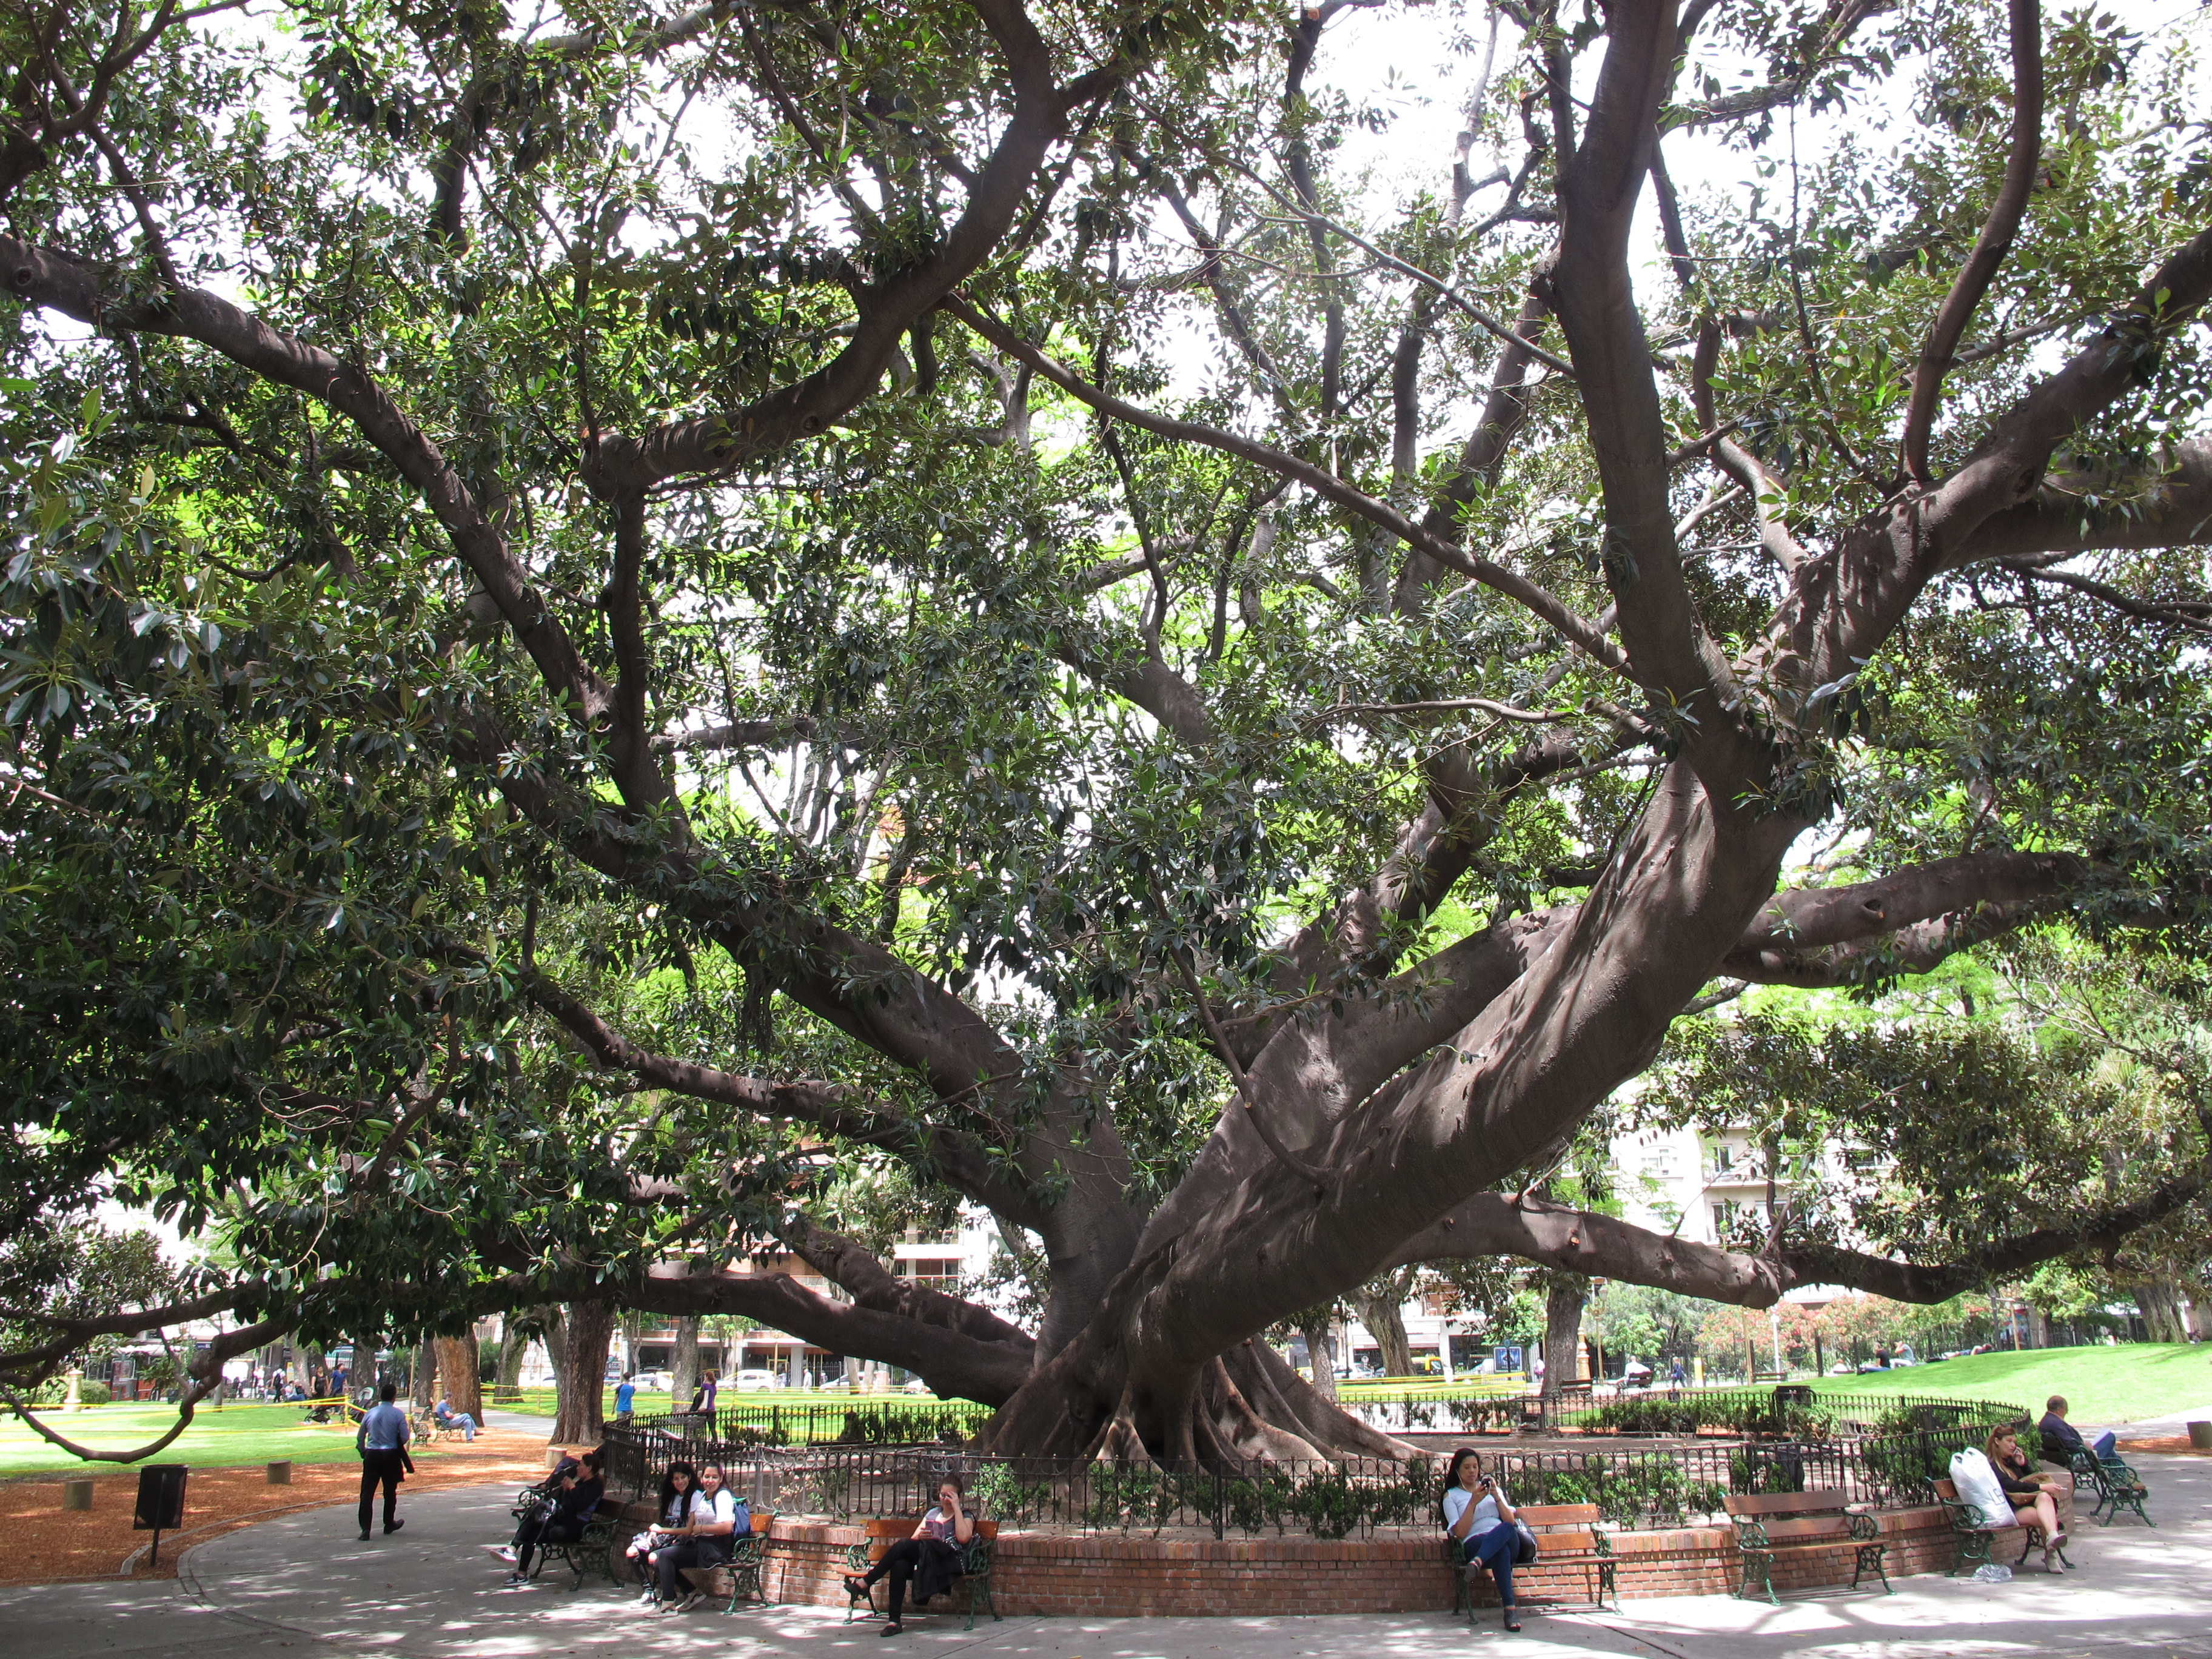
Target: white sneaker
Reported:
point(505, 1552)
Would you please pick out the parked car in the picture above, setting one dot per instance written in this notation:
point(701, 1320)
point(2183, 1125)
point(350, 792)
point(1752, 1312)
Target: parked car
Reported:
point(753, 1382)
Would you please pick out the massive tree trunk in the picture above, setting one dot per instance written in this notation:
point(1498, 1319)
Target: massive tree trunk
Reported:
point(423, 1376)
point(1564, 1298)
point(459, 1374)
point(513, 1346)
point(683, 1365)
point(581, 1364)
point(2161, 1310)
point(1321, 1355)
point(1381, 1312)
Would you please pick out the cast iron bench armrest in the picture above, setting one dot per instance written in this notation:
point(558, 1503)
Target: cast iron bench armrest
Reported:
point(1822, 1525)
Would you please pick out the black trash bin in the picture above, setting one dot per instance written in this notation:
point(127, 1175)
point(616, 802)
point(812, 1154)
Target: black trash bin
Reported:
point(160, 1502)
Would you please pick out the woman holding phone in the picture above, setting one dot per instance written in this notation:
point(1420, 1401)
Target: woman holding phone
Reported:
point(1479, 1518)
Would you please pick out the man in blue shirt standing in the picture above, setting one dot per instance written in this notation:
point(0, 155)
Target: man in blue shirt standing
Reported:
point(625, 1397)
point(382, 1443)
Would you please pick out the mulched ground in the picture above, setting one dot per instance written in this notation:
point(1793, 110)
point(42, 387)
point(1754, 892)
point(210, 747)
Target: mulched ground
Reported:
point(42, 1542)
point(2169, 1443)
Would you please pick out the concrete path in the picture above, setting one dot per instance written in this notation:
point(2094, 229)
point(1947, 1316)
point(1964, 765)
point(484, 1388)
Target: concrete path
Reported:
point(301, 1585)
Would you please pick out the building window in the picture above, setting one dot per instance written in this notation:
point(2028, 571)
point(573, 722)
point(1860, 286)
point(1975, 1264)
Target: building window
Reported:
point(932, 1273)
point(1724, 1155)
point(1723, 1217)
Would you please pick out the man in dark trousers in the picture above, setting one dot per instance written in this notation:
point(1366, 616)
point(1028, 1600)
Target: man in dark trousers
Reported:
point(382, 1443)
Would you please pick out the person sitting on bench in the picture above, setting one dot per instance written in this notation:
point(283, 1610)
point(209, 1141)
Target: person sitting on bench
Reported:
point(928, 1557)
point(2063, 1439)
point(2031, 1501)
point(1477, 1515)
point(678, 1487)
point(704, 1540)
point(559, 1519)
point(448, 1418)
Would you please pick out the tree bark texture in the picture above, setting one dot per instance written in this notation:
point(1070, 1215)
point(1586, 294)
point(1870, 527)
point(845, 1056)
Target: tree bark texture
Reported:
point(459, 1374)
point(1563, 1300)
point(513, 1345)
point(424, 1378)
point(1383, 1315)
point(582, 1364)
point(684, 1363)
point(1321, 1355)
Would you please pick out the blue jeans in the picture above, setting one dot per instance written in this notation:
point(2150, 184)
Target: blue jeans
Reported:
point(1495, 1550)
point(2103, 1444)
point(462, 1421)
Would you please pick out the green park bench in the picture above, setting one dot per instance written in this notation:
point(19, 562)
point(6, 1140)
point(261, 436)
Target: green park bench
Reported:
point(976, 1558)
point(740, 1578)
point(1976, 1531)
point(1776, 1523)
point(1567, 1534)
point(2117, 1485)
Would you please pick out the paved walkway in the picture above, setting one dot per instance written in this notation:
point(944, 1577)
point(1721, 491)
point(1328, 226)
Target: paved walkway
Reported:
point(302, 1586)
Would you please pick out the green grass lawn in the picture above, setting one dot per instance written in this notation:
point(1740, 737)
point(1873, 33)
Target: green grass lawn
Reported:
point(2125, 1385)
point(236, 1434)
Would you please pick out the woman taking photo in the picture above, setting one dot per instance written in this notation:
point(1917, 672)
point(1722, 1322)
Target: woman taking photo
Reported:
point(929, 1558)
point(1477, 1515)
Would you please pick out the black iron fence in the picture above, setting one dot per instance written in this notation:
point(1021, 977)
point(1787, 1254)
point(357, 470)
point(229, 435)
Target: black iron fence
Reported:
point(1891, 1461)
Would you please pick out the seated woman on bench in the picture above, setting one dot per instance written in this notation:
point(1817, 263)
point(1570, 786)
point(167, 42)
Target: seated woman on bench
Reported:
point(928, 1559)
point(559, 1519)
point(678, 1487)
point(2032, 1500)
point(1477, 1515)
point(705, 1539)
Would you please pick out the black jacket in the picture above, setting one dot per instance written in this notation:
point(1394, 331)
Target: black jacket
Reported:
point(2061, 1439)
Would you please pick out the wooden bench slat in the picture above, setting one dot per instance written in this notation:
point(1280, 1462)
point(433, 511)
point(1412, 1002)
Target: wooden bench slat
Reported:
point(1814, 1528)
point(1784, 1503)
point(1541, 1514)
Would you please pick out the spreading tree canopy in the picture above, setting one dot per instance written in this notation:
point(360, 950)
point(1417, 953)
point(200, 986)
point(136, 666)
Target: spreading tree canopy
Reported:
point(619, 629)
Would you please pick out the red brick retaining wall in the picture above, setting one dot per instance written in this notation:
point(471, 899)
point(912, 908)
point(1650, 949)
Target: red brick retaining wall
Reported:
point(1111, 1574)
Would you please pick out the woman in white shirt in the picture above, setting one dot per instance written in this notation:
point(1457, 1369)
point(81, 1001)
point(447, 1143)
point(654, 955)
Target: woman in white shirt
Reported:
point(1480, 1520)
point(703, 1540)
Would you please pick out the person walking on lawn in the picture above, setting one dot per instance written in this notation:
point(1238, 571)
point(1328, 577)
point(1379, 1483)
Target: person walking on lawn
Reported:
point(381, 1441)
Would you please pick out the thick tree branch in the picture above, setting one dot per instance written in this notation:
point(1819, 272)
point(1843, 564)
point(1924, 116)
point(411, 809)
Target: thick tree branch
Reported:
point(845, 1262)
point(206, 1369)
point(1840, 26)
point(1666, 645)
point(81, 291)
point(895, 300)
point(2079, 513)
point(951, 1362)
point(1496, 1224)
point(2026, 23)
point(825, 1106)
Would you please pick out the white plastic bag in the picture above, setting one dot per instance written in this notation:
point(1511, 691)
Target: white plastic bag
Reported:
point(1993, 1572)
point(1977, 1484)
